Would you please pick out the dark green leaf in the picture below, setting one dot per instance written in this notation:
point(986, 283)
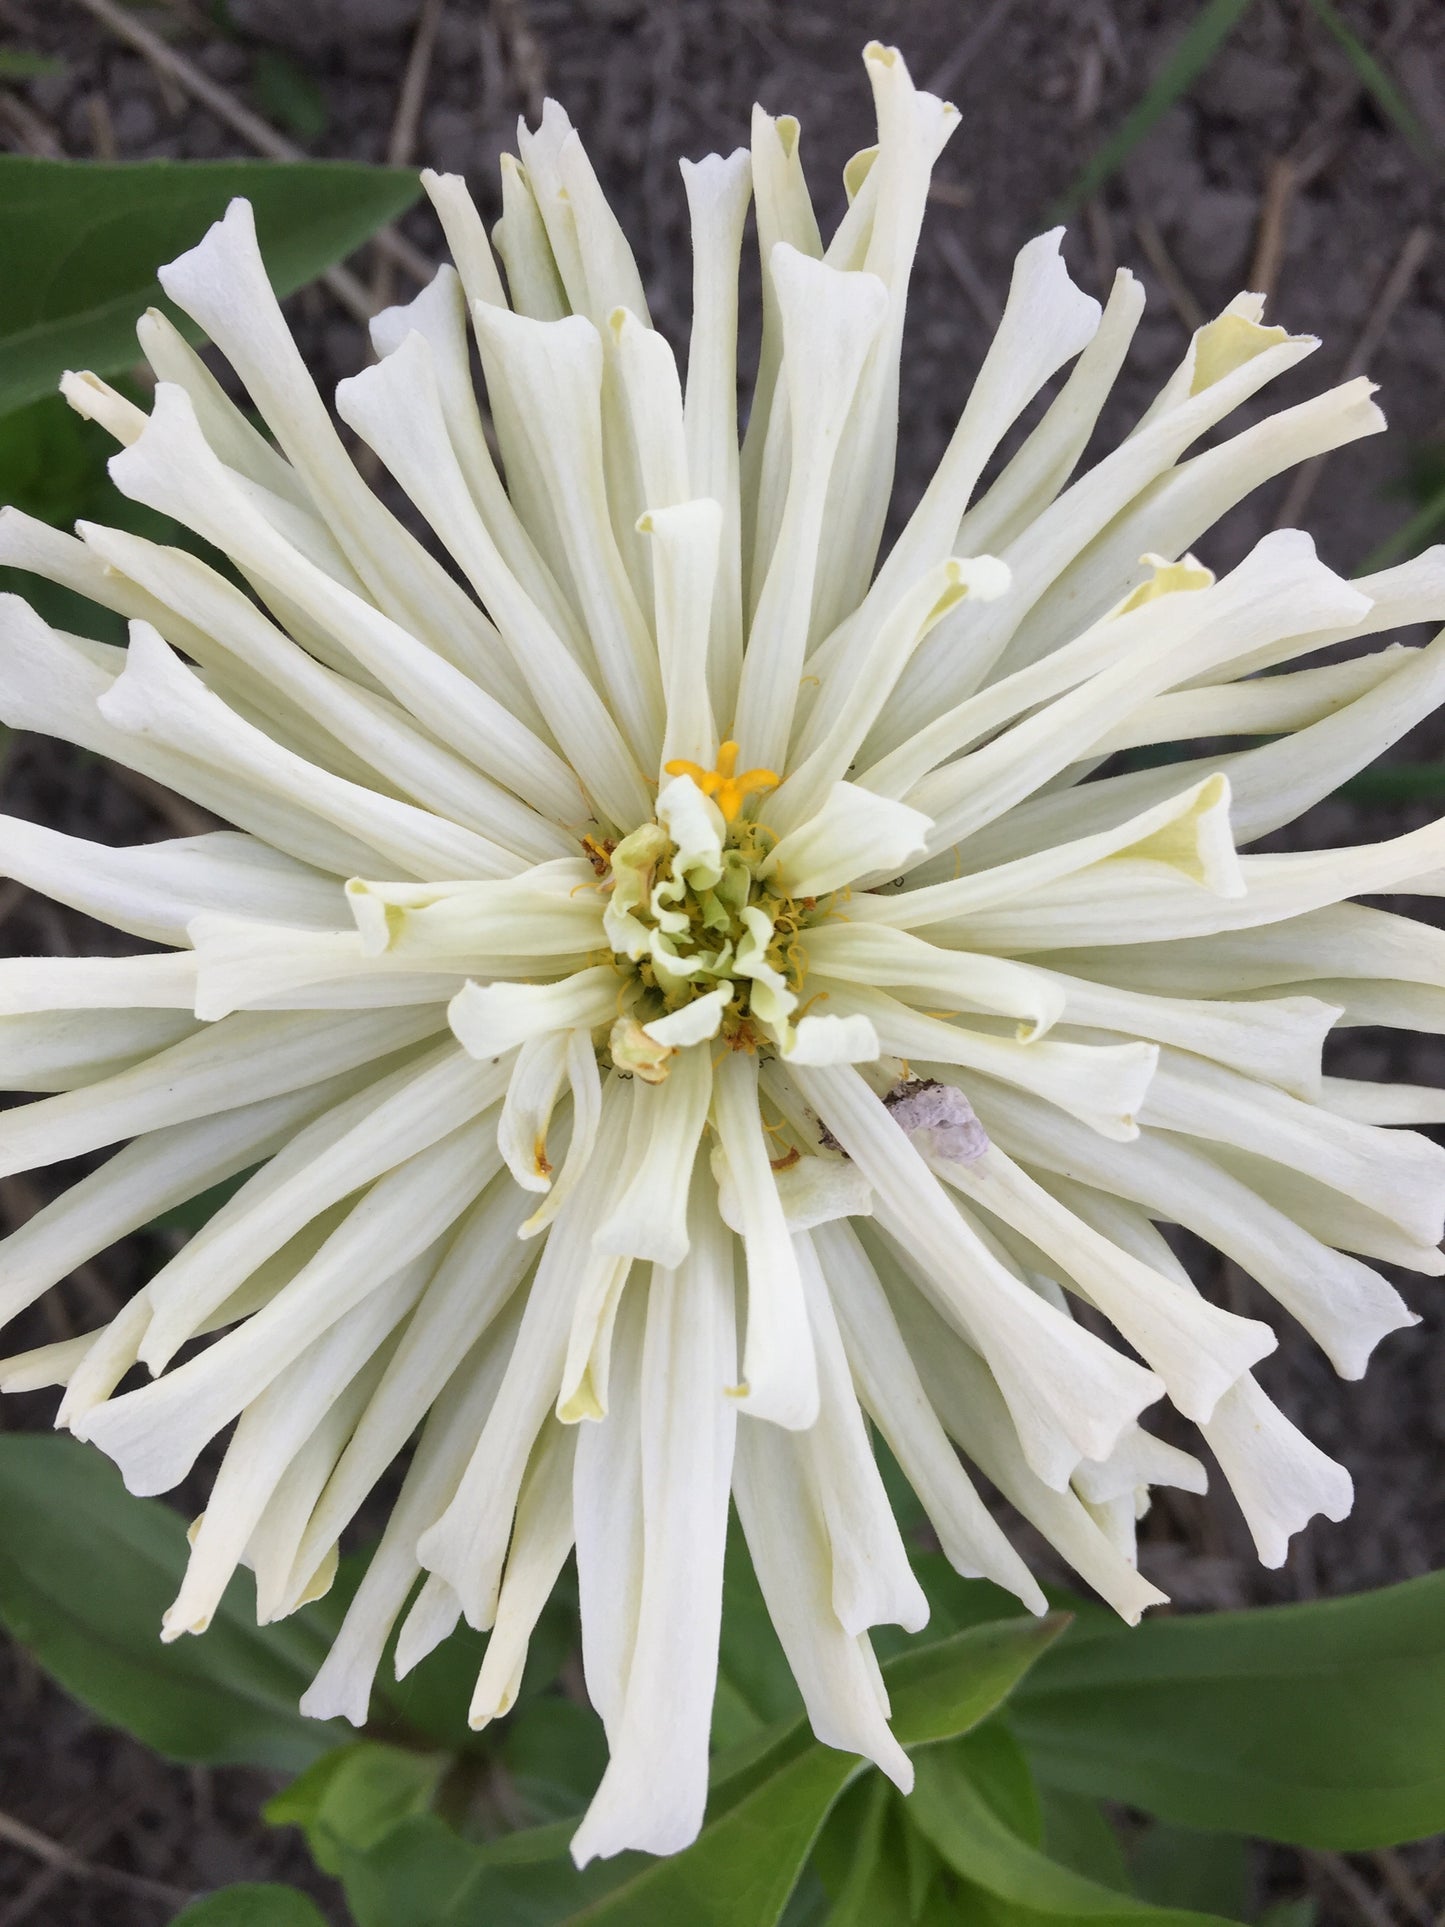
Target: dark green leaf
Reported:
point(952, 1813)
point(1321, 1724)
point(20, 63)
point(426, 1875)
point(873, 1891)
point(556, 1753)
point(298, 1804)
point(1290, 1913)
point(190, 1216)
point(1396, 783)
point(1177, 1867)
point(85, 1574)
point(354, 1796)
point(1077, 1834)
point(745, 1865)
point(808, 1905)
point(432, 1700)
point(1427, 520)
point(82, 241)
point(52, 465)
point(1201, 41)
point(997, 1765)
point(413, 1874)
point(252, 1906)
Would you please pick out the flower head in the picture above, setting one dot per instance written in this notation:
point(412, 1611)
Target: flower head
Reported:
point(678, 983)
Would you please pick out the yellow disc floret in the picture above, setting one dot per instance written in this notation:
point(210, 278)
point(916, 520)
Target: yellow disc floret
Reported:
point(727, 790)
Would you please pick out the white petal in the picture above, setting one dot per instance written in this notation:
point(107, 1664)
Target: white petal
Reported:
point(788, 1541)
point(1105, 1085)
point(1068, 1393)
point(536, 1081)
point(541, 1541)
point(155, 1434)
point(1280, 1479)
point(779, 1380)
point(156, 697)
point(655, 1787)
point(966, 1398)
point(467, 1544)
point(873, 1583)
point(648, 1214)
point(217, 1069)
point(271, 1431)
point(366, 1135)
point(154, 889)
point(889, 1387)
point(489, 1019)
point(1344, 1305)
point(830, 320)
point(1197, 1349)
point(855, 833)
point(692, 1023)
point(469, 1294)
point(343, 1685)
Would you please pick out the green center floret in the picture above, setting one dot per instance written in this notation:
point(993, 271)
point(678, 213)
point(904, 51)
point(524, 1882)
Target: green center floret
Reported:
point(700, 925)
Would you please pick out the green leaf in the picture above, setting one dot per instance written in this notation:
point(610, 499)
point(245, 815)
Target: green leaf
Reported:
point(1177, 1867)
point(20, 63)
point(874, 1889)
point(351, 1798)
point(1078, 1835)
point(952, 1813)
point(997, 1765)
point(82, 241)
point(1201, 41)
point(194, 1212)
point(1321, 1724)
point(1396, 783)
point(745, 1864)
point(556, 1753)
point(424, 1874)
point(1375, 79)
point(85, 1574)
point(765, 1815)
point(52, 465)
point(1290, 1913)
point(261, 1905)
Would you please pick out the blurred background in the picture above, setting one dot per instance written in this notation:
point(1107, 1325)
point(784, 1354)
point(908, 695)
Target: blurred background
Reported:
point(1296, 147)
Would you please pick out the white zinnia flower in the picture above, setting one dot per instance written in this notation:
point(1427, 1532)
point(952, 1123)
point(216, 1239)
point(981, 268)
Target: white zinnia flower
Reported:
point(677, 996)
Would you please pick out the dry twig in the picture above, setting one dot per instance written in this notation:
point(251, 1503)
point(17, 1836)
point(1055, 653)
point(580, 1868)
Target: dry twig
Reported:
point(1181, 296)
point(524, 53)
point(102, 127)
point(1391, 291)
point(1404, 1887)
point(401, 147)
point(962, 266)
point(42, 1847)
point(1342, 1876)
point(32, 132)
point(185, 818)
point(1280, 186)
point(83, 1842)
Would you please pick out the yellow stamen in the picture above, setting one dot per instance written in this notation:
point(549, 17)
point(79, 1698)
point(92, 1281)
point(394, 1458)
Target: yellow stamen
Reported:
point(728, 791)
